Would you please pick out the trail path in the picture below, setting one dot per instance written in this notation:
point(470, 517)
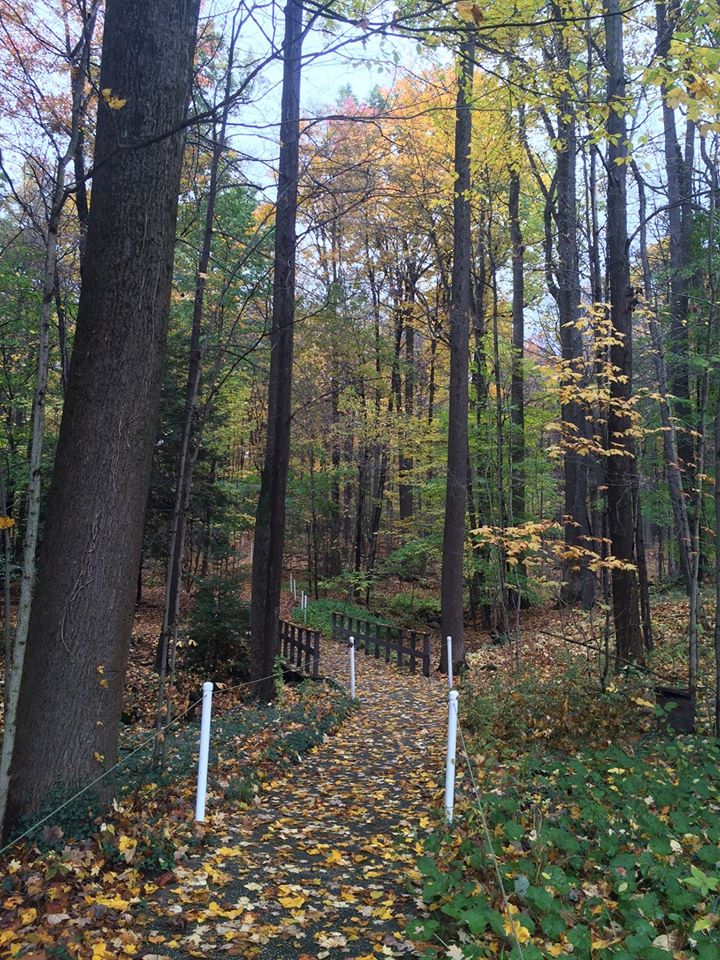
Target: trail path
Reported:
point(320, 866)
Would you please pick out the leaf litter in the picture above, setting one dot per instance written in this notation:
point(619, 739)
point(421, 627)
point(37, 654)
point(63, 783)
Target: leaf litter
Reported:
point(316, 819)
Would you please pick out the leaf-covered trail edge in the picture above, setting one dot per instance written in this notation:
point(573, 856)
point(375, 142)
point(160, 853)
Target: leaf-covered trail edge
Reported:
point(324, 863)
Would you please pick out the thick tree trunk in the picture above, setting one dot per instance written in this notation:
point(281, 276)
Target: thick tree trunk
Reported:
point(270, 517)
point(79, 634)
point(189, 444)
point(621, 480)
point(453, 554)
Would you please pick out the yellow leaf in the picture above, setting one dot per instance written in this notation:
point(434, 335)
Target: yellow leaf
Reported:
point(292, 902)
point(115, 103)
point(334, 857)
point(6, 523)
point(27, 916)
point(113, 903)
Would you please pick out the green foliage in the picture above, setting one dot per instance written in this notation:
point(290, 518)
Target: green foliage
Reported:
point(532, 711)
point(410, 561)
point(219, 629)
point(408, 610)
point(319, 614)
point(604, 851)
point(354, 582)
point(615, 853)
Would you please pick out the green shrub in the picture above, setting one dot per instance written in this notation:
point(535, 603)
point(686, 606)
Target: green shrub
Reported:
point(319, 614)
point(408, 610)
point(554, 711)
point(410, 561)
point(218, 640)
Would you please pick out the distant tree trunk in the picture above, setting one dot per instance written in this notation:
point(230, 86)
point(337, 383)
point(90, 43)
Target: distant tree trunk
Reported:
point(6, 559)
point(270, 517)
point(453, 553)
point(621, 467)
point(78, 640)
point(670, 448)
point(405, 489)
point(406, 462)
point(717, 568)
point(678, 172)
point(517, 399)
point(578, 582)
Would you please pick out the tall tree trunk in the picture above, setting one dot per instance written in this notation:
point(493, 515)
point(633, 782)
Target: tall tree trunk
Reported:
point(453, 554)
point(270, 517)
point(6, 560)
point(78, 639)
point(621, 465)
point(187, 456)
point(15, 664)
point(517, 399)
point(406, 461)
point(678, 178)
point(577, 579)
point(670, 447)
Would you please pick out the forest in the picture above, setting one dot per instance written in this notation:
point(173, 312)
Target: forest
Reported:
point(360, 375)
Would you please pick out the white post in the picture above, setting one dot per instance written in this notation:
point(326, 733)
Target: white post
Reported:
point(450, 761)
point(305, 600)
point(450, 663)
point(204, 753)
point(352, 667)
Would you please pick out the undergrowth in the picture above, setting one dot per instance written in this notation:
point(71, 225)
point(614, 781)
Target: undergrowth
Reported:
point(606, 834)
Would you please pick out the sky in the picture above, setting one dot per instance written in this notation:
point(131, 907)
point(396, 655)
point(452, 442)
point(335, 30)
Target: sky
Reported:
point(327, 71)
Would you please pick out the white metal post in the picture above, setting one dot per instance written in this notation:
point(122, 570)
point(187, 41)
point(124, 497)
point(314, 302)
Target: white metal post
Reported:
point(450, 663)
point(352, 668)
point(304, 606)
point(204, 752)
point(450, 761)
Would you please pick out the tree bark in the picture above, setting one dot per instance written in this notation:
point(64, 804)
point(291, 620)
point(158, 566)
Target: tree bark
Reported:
point(453, 553)
point(15, 665)
point(78, 640)
point(678, 171)
point(621, 467)
point(270, 517)
point(189, 442)
point(670, 448)
point(517, 398)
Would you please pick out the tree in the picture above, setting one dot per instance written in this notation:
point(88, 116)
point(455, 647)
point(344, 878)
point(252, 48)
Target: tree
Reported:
point(621, 466)
point(270, 517)
point(453, 554)
point(72, 682)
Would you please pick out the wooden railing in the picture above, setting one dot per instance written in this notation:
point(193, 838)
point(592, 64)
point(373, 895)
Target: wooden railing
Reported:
point(403, 647)
point(300, 647)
